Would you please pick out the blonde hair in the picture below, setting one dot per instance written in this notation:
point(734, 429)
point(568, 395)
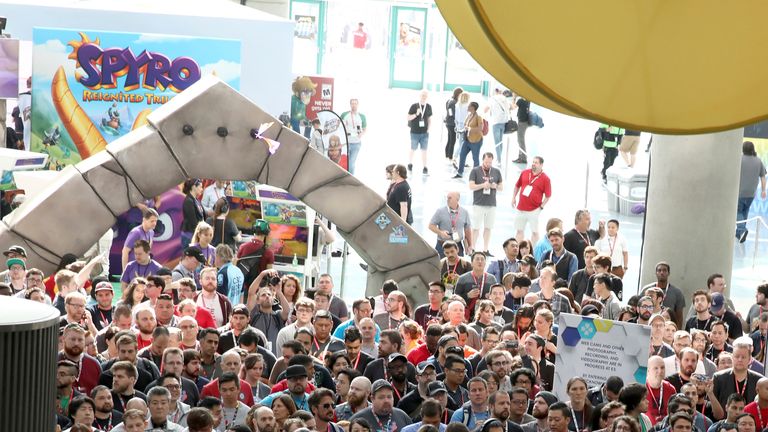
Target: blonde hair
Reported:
point(464, 98)
point(201, 227)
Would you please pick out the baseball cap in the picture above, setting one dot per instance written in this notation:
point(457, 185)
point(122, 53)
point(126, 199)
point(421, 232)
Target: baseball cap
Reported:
point(396, 356)
point(103, 286)
point(14, 261)
point(296, 371)
point(421, 367)
point(718, 302)
point(195, 253)
point(436, 387)
point(241, 310)
point(445, 339)
point(380, 384)
point(16, 249)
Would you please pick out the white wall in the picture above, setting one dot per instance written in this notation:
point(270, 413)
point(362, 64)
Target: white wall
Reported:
point(266, 40)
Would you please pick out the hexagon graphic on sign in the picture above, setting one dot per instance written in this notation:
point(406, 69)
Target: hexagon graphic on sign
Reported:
point(603, 325)
point(587, 329)
point(641, 373)
point(571, 336)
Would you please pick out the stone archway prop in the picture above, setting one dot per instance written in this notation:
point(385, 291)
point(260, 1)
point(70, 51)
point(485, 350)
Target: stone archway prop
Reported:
point(207, 131)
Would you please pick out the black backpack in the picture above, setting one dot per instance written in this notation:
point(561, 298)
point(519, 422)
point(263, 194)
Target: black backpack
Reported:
point(249, 265)
point(598, 140)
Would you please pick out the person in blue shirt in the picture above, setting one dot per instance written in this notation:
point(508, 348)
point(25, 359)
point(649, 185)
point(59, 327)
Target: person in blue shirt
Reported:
point(508, 264)
point(431, 414)
point(229, 280)
point(474, 412)
point(360, 309)
point(297, 384)
point(543, 246)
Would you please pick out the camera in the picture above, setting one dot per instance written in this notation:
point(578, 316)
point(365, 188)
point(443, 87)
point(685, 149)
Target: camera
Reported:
point(274, 280)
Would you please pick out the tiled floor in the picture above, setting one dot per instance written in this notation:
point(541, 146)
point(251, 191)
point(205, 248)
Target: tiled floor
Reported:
point(570, 160)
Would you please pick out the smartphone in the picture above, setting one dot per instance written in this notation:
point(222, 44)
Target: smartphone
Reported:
point(700, 377)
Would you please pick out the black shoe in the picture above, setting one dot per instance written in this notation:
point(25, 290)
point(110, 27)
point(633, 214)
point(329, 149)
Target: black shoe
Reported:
point(425, 171)
point(520, 161)
point(743, 236)
point(457, 176)
point(410, 167)
point(364, 266)
point(336, 254)
point(488, 254)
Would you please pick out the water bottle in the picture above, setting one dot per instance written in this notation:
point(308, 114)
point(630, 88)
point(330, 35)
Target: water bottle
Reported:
point(295, 260)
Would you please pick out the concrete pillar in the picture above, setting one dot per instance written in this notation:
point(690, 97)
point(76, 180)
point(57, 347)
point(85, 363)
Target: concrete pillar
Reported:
point(690, 219)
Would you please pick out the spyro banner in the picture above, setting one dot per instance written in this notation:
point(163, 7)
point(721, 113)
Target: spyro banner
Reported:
point(310, 95)
point(90, 87)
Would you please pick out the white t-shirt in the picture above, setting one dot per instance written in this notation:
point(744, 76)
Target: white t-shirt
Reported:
point(499, 109)
point(213, 306)
point(237, 414)
point(613, 247)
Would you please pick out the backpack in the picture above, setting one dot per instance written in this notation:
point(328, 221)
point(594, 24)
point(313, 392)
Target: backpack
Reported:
point(597, 141)
point(249, 265)
point(485, 127)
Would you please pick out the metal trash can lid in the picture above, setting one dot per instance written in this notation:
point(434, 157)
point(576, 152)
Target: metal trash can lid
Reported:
point(20, 314)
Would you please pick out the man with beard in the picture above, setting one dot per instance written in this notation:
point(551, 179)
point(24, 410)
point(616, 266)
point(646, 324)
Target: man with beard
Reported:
point(192, 368)
point(146, 322)
point(324, 342)
point(209, 358)
point(353, 340)
point(390, 343)
point(75, 312)
point(501, 409)
point(396, 370)
point(154, 352)
point(265, 318)
point(382, 415)
point(541, 404)
point(297, 383)
point(265, 420)
point(238, 323)
point(431, 411)
point(429, 347)
point(105, 415)
point(101, 312)
point(738, 379)
point(645, 308)
point(124, 376)
point(321, 403)
point(66, 375)
point(659, 390)
point(357, 398)
point(216, 303)
point(474, 412)
point(230, 362)
point(703, 319)
point(88, 367)
point(673, 297)
point(688, 358)
point(425, 373)
point(164, 306)
point(173, 363)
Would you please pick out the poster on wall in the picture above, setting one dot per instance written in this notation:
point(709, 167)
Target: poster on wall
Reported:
point(408, 59)
point(9, 68)
point(310, 95)
point(335, 143)
point(596, 349)
point(90, 87)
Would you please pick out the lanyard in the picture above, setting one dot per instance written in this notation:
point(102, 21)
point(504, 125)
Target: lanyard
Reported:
point(585, 238)
point(575, 420)
point(104, 320)
point(759, 415)
point(743, 388)
point(234, 417)
point(397, 393)
point(532, 178)
point(657, 403)
point(453, 220)
point(381, 426)
point(357, 361)
point(612, 246)
point(482, 282)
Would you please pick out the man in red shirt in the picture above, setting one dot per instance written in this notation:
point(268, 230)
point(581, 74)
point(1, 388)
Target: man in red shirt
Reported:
point(254, 257)
point(230, 362)
point(360, 37)
point(659, 390)
point(759, 408)
point(535, 190)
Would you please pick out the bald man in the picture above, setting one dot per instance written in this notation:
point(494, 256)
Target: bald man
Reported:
point(230, 362)
point(357, 398)
point(452, 223)
point(659, 389)
point(759, 408)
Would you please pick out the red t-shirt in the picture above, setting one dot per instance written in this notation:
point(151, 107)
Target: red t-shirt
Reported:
point(359, 39)
point(251, 248)
point(143, 343)
point(212, 389)
point(658, 401)
point(418, 354)
point(761, 418)
point(540, 186)
point(283, 385)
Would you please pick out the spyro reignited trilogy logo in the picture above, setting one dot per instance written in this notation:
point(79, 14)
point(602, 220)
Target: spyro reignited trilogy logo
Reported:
point(102, 68)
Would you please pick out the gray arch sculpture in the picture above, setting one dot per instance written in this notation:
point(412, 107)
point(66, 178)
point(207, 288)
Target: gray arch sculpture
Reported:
point(205, 132)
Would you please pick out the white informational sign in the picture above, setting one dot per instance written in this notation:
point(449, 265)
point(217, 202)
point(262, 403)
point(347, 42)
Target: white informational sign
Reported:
point(596, 349)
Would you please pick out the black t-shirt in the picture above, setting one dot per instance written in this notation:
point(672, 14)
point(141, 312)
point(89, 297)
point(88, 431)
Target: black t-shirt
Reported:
point(522, 110)
point(224, 231)
point(401, 192)
point(576, 242)
point(101, 318)
point(420, 123)
point(11, 139)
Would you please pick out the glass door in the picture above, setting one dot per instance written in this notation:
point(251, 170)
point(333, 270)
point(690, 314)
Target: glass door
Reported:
point(407, 47)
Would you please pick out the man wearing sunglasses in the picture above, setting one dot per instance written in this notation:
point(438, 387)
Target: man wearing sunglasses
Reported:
point(321, 403)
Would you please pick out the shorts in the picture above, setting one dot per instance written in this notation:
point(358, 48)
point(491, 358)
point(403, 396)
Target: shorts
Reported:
point(523, 218)
point(419, 140)
point(483, 215)
point(629, 144)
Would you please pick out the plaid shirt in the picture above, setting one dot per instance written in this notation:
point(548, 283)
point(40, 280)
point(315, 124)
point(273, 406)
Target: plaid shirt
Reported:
point(560, 303)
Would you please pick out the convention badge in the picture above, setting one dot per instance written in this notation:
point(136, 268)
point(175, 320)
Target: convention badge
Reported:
point(527, 190)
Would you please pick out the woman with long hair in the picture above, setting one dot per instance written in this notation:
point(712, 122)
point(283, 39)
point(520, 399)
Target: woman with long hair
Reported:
point(624, 424)
point(450, 122)
point(462, 109)
point(283, 407)
point(525, 248)
point(523, 320)
point(542, 326)
point(201, 239)
point(336, 361)
point(134, 293)
point(359, 425)
point(484, 313)
point(473, 139)
point(581, 408)
point(635, 400)
point(192, 210)
point(528, 266)
point(291, 287)
point(251, 372)
point(224, 230)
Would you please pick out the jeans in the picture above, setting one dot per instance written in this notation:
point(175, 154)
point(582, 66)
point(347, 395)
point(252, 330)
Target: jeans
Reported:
point(608, 158)
point(460, 141)
point(451, 143)
point(419, 140)
point(521, 128)
point(354, 150)
point(742, 213)
point(465, 149)
point(498, 139)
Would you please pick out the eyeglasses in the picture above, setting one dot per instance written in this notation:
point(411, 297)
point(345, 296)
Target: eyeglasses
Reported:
point(172, 386)
point(326, 405)
point(646, 307)
point(519, 402)
point(76, 305)
point(523, 382)
point(458, 371)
